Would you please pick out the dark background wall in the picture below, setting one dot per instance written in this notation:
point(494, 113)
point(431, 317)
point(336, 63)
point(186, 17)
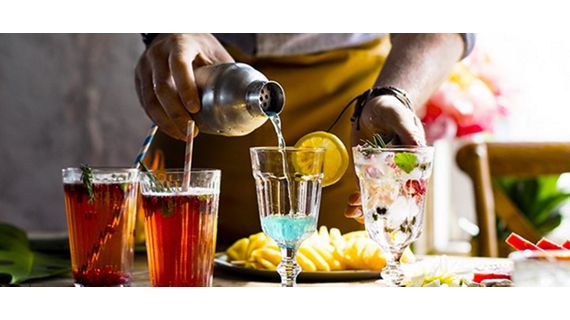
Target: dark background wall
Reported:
point(65, 99)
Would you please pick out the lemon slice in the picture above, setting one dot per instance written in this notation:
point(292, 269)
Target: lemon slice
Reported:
point(336, 156)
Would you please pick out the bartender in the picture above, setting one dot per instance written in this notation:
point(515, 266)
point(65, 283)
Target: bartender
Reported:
point(320, 74)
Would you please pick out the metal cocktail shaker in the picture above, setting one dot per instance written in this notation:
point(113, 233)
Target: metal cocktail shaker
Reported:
point(236, 99)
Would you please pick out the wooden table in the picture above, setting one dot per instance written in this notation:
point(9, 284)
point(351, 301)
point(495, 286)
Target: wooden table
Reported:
point(224, 279)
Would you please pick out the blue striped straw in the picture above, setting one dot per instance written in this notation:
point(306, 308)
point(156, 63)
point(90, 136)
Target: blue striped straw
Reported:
point(146, 144)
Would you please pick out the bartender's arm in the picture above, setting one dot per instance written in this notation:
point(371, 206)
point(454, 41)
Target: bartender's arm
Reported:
point(417, 64)
point(164, 77)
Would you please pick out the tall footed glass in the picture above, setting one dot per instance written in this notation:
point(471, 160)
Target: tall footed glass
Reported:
point(288, 183)
point(393, 183)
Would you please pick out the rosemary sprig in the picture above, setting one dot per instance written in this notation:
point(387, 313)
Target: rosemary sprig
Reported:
point(87, 180)
point(377, 142)
point(156, 182)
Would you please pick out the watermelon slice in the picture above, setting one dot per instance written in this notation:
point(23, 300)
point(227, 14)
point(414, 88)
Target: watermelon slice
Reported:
point(520, 243)
point(546, 244)
point(566, 244)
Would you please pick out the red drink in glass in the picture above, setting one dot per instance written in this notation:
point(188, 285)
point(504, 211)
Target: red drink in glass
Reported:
point(101, 227)
point(181, 239)
point(181, 228)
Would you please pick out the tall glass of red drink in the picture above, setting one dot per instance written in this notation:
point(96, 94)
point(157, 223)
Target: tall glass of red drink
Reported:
point(181, 225)
point(101, 213)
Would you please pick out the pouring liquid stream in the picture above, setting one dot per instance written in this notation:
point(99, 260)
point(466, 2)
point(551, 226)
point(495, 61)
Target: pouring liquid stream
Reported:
point(276, 121)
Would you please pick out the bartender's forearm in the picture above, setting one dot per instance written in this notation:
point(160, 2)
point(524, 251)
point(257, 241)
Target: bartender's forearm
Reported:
point(419, 63)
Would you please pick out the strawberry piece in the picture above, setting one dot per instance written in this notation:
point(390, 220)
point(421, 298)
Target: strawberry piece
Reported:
point(520, 243)
point(416, 187)
point(546, 244)
point(566, 244)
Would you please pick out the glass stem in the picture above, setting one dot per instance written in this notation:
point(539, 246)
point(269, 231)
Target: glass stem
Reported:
point(288, 269)
point(392, 272)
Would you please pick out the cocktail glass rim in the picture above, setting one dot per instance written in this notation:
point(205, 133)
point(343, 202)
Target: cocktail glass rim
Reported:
point(182, 171)
point(101, 169)
point(178, 173)
point(76, 172)
point(402, 148)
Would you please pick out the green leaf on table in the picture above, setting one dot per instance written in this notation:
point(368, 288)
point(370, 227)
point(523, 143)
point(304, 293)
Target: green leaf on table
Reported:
point(18, 263)
point(12, 238)
point(45, 266)
point(406, 161)
point(15, 266)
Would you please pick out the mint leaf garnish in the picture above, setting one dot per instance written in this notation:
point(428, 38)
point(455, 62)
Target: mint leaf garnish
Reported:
point(87, 179)
point(406, 161)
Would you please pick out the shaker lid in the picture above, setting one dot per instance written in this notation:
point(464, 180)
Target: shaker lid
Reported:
point(269, 96)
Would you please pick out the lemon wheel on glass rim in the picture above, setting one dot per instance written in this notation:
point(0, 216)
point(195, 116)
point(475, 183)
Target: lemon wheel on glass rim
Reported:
point(335, 159)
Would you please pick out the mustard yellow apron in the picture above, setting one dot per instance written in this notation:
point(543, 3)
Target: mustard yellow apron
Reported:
point(317, 87)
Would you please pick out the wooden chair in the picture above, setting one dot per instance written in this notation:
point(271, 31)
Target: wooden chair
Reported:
point(482, 161)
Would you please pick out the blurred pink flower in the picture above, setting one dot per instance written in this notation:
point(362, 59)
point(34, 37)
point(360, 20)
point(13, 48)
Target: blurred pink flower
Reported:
point(468, 102)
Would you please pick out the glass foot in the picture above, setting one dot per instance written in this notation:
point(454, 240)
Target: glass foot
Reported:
point(392, 275)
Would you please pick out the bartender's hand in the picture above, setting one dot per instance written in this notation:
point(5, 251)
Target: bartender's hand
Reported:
point(396, 123)
point(164, 78)
point(389, 117)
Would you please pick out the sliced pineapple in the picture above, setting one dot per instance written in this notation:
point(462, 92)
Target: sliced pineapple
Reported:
point(325, 250)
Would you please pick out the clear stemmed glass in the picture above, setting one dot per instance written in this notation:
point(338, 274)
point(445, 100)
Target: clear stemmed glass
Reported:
point(288, 184)
point(393, 182)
